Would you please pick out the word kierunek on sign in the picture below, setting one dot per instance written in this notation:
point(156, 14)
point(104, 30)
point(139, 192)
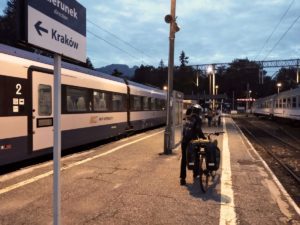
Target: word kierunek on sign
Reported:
point(64, 7)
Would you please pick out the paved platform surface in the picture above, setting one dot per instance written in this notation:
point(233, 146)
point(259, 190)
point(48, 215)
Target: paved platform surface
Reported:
point(129, 182)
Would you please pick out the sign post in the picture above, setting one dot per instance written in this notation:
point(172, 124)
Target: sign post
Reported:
point(59, 27)
point(57, 140)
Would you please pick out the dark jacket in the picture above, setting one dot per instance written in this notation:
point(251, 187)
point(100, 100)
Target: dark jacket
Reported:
point(192, 128)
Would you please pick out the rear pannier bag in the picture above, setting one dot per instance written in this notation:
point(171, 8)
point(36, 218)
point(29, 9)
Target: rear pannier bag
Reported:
point(190, 155)
point(213, 157)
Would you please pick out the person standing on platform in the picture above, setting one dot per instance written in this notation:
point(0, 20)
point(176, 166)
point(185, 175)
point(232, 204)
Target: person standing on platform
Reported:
point(218, 113)
point(209, 116)
point(191, 130)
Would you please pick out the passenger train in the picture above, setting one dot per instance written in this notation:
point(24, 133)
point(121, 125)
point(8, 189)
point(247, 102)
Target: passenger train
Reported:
point(285, 105)
point(95, 106)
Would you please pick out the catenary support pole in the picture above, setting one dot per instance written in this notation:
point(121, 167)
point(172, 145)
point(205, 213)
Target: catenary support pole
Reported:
point(297, 79)
point(168, 130)
point(213, 86)
point(57, 140)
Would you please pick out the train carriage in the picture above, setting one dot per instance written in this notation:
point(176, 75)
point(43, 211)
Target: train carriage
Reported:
point(95, 106)
point(284, 105)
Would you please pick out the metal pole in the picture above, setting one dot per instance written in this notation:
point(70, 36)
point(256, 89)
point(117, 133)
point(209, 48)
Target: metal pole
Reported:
point(57, 140)
point(232, 100)
point(297, 80)
point(210, 92)
point(261, 75)
point(247, 98)
point(213, 85)
point(209, 79)
point(197, 86)
point(168, 130)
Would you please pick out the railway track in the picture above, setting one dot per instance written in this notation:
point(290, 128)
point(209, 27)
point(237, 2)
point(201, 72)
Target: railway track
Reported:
point(280, 152)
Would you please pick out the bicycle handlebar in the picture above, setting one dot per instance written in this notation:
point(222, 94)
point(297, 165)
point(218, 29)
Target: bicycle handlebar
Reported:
point(214, 133)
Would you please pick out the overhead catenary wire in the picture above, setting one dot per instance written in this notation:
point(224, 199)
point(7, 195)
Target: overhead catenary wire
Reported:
point(120, 39)
point(275, 28)
point(101, 38)
point(283, 35)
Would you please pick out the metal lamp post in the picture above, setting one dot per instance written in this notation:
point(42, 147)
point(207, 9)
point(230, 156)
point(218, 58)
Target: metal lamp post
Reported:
point(171, 19)
point(212, 83)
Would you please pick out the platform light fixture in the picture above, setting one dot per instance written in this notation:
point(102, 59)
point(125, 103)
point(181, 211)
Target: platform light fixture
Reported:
point(217, 88)
point(279, 85)
point(212, 83)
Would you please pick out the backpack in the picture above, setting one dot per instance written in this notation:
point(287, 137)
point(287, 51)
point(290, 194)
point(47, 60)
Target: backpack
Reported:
point(213, 157)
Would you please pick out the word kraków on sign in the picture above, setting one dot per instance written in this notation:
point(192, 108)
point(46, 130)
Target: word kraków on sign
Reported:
point(64, 39)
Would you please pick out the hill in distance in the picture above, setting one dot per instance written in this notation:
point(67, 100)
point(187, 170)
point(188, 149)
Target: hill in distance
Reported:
point(124, 69)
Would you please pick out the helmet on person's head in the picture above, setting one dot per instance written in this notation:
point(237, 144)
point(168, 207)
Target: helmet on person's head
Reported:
point(196, 109)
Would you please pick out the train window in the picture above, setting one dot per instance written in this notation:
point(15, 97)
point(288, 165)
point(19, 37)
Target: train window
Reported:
point(280, 103)
point(152, 104)
point(288, 102)
point(284, 103)
point(118, 102)
point(164, 105)
point(45, 100)
point(294, 102)
point(158, 104)
point(101, 101)
point(146, 101)
point(136, 103)
point(78, 100)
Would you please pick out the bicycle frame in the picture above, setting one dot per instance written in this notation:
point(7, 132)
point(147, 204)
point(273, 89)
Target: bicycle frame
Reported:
point(205, 175)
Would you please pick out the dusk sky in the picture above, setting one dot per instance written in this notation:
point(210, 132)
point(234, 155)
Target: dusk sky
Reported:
point(212, 31)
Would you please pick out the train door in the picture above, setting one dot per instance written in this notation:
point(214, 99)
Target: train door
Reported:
point(42, 111)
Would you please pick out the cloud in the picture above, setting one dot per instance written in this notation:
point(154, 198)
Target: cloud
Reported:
point(211, 30)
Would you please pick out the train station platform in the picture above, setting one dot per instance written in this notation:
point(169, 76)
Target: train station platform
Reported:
point(130, 182)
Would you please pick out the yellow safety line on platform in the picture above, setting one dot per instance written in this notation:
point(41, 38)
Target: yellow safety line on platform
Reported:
point(41, 176)
point(227, 212)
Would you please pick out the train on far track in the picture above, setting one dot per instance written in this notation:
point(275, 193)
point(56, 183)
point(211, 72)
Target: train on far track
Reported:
point(285, 105)
point(94, 106)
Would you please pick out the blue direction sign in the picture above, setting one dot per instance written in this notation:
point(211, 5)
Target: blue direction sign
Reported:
point(58, 26)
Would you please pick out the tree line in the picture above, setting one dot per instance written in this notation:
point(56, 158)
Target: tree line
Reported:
point(241, 76)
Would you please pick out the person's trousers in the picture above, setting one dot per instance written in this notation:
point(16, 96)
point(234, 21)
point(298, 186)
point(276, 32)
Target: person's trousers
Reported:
point(184, 146)
point(183, 160)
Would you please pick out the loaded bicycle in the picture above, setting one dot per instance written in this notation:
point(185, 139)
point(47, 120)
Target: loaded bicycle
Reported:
point(203, 156)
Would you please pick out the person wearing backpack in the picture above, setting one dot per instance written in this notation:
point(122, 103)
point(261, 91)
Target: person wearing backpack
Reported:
point(191, 130)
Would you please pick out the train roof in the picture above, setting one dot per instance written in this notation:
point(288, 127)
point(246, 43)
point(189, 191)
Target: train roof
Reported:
point(288, 93)
point(136, 87)
point(295, 91)
point(47, 60)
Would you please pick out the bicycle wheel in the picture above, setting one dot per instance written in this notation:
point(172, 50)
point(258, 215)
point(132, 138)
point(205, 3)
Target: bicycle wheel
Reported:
point(204, 174)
